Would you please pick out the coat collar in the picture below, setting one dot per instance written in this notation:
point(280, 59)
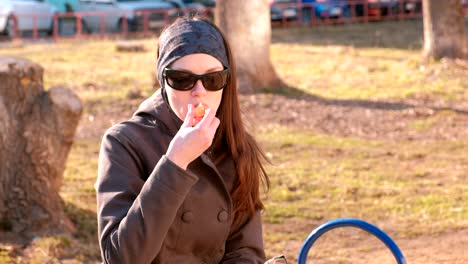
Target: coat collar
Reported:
point(157, 107)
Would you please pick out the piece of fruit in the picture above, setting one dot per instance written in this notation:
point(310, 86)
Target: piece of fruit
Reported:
point(200, 110)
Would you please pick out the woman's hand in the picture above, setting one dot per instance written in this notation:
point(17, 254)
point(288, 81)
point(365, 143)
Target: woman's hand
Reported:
point(190, 142)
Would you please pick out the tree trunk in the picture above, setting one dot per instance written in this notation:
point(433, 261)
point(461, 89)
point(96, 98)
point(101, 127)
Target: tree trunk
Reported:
point(36, 132)
point(247, 27)
point(443, 29)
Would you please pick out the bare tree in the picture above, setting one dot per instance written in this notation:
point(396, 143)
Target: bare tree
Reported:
point(443, 29)
point(247, 26)
point(36, 132)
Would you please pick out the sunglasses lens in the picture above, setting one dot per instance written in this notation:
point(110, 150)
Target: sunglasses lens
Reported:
point(215, 81)
point(184, 81)
point(180, 80)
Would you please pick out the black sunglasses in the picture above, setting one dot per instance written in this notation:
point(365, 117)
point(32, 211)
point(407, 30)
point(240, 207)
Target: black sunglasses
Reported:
point(184, 80)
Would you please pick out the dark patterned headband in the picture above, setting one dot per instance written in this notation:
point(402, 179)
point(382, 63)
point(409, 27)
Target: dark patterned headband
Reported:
point(189, 37)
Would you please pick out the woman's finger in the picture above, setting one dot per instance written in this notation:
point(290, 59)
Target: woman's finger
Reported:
point(214, 124)
point(188, 121)
point(206, 120)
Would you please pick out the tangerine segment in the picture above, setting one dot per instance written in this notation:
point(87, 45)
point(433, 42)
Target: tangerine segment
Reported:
point(200, 110)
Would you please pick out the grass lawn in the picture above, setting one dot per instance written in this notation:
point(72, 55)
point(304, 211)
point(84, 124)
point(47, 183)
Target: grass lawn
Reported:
point(413, 185)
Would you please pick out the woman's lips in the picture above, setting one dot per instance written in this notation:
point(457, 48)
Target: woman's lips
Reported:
point(199, 113)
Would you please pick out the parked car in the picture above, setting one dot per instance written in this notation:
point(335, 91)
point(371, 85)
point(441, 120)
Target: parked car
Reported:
point(412, 6)
point(195, 7)
point(375, 7)
point(318, 8)
point(112, 14)
point(24, 11)
point(207, 3)
point(282, 10)
point(63, 5)
point(327, 8)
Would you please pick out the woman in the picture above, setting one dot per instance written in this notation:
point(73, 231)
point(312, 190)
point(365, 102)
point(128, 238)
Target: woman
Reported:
point(179, 187)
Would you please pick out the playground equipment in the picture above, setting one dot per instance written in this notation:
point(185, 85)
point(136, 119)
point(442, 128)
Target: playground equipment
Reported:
point(344, 222)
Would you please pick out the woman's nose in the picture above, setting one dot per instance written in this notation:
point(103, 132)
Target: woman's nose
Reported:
point(198, 89)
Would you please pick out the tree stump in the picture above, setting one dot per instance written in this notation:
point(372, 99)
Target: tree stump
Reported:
point(37, 128)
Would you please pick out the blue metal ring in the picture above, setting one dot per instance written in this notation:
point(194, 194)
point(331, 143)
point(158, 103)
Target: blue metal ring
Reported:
point(342, 222)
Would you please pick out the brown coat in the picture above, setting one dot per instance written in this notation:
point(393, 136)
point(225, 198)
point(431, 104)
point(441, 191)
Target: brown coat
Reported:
point(152, 211)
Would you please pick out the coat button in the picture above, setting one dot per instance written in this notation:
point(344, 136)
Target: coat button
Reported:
point(223, 216)
point(187, 217)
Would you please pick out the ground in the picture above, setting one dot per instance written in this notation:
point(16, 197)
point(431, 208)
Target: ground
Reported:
point(371, 120)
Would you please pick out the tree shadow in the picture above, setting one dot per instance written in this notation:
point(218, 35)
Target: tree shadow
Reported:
point(400, 34)
point(84, 247)
point(295, 93)
point(85, 222)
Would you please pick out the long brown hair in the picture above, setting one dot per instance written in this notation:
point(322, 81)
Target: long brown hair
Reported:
point(243, 148)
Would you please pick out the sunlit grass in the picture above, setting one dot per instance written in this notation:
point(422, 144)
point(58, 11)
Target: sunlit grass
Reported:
point(363, 62)
point(339, 72)
point(95, 70)
point(324, 177)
